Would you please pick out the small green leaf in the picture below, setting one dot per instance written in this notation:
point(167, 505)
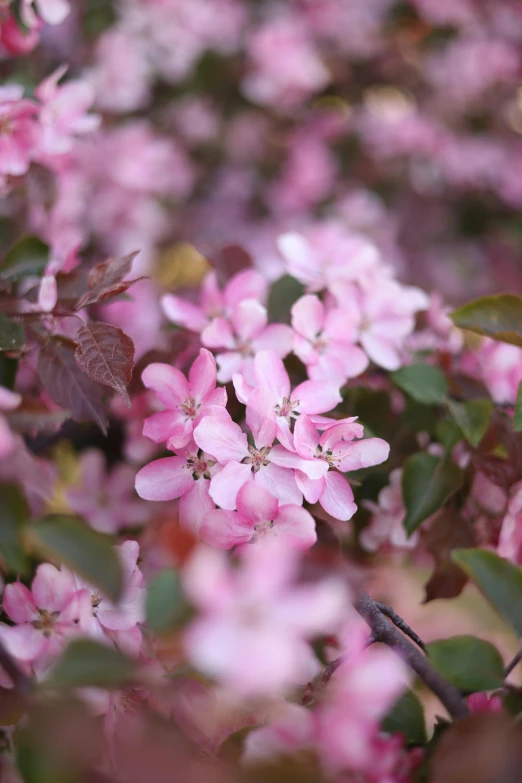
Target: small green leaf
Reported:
point(12, 335)
point(498, 579)
point(89, 664)
point(283, 294)
point(13, 516)
point(424, 383)
point(407, 718)
point(517, 420)
point(470, 664)
point(82, 549)
point(165, 604)
point(448, 433)
point(472, 417)
point(29, 256)
point(427, 483)
point(498, 317)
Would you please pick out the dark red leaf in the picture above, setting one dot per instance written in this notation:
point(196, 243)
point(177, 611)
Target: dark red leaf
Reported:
point(106, 355)
point(448, 531)
point(67, 385)
point(107, 280)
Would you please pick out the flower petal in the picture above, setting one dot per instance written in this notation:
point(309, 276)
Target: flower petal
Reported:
point(202, 376)
point(337, 498)
point(164, 479)
point(308, 316)
point(225, 485)
point(316, 396)
point(19, 603)
point(170, 384)
point(295, 527)
point(222, 438)
point(195, 505)
point(184, 313)
point(256, 503)
point(272, 375)
point(226, 529)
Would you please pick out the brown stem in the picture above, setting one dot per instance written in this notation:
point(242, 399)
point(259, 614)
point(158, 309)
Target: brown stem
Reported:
point(385, 632)
point(400, 624)
point(511, 665)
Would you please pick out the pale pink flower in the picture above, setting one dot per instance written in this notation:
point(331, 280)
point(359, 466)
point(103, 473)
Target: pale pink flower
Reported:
point(325, 340)
point(15, 40)
point(224, 440)
point(19, 131)
point(337, 449)
point(9, 401)
point(289, 729)
point(510, 539)
point(51, 11)
point(121, 76)
point(499, 366)
point(185, 401)
point(255, 622)
point(63, 113)
point(311, 397)
point(259, 518)
point(386, 523)
point(46, 616)
point(106, 499)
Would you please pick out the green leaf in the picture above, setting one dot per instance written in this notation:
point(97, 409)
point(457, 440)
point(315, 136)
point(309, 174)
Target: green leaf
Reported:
point(498, 579)
point(427, 483)
point(29, 256)
point(89, 664)
point(448, 433)
point(424, 383)
point(470, 664)
point(82, 549)
point(472, 417)
point(8, 370)
point(283, 294)
point(517, 420)
point(498, 317)
point(12, 334)
point(13, 516)
point(407, 718)
point(165, 605)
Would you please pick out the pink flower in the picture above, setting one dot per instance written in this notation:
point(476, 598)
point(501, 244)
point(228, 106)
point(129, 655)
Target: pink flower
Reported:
point(224, 440)
point(46, 616)
point(9, 400)
point(271, 377)
point(101, 618)
point(254, 622)
point(63, 113)
point(186, 402)
point(386, 523)
point(259, 518)
point(186, 476)
point(325, 340)
point(15, 40)
point(51, 11)
point(510, 539)
point(19, 132)
point(337, 449)
point(106, 500)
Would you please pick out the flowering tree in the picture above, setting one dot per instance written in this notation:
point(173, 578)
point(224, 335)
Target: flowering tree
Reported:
point(218, 459)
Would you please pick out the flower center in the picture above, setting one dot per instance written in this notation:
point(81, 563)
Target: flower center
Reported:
point(190, 408)
point(263, 527)
point(45, 622)
point(258, 457)
point(200, 467)
point(245, 348)
point(286, 408)
point(319, 344)
point(327, 456)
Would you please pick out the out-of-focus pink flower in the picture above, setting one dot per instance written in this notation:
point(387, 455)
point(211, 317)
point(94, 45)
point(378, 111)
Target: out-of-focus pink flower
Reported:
point(106, 499)
point(386, 523)
point(481, 702)
point(336, 449)
point(9, 401)
point(510, 539)
point(19, 131)
point(259, 518)
point(254, 620)
point(63, 113)
point(121, 76)
point(46, 616)
point(186, 401)
point(290, 729)
point(499, 366)
point(285, 66)
point(51, 11)
point(15, 40)
point(310, 397)
point(325, 340)
point(222, 438)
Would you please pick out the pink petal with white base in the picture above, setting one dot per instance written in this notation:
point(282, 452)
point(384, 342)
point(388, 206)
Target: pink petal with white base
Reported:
point(52, 589)
point(280, 482)
point(160, 426)
point(19, 603)
point(226, 529)
point(242, 389)
point(337, 498)
point(170, 384)
point(248, 284)
point(256, 503)
point(249, 318)
point(306, 437)
point(381, 351)
point(316, 396)
point(218, 334)
point(24, 642)
point(308, 316)
point(313, 468)
point(202, 375)
point(222, 438)
point(225, 485)
point(184, 313)
point(295, 527)
point(229, 364)
point(363, 454)
point(195, 505)
point(260, 417)
point(271, 374)
point(276, 337)
point(312, 489)
point(164, 479)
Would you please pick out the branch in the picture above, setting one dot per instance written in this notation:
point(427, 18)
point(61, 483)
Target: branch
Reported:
point(21, 682)
point(385, 632)
point(400, 624)
point(509, 668)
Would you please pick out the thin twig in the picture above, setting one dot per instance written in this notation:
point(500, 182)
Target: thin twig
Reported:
point(21, 682)
point(400, 624)
point(386, 633)
point(509, 668)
